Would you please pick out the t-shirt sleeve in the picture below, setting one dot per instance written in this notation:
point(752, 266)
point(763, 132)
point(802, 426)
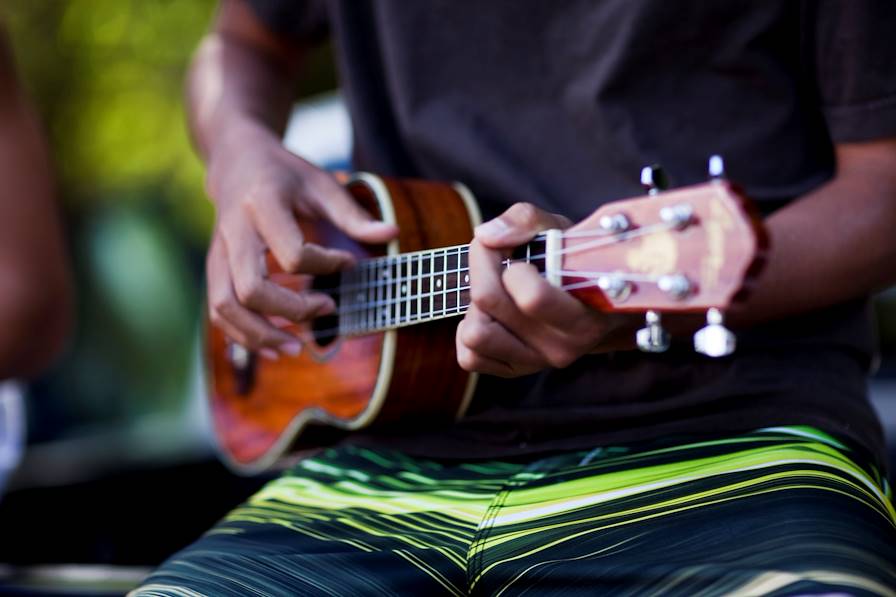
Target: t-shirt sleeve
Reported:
point(301, 20)
point(855, 65)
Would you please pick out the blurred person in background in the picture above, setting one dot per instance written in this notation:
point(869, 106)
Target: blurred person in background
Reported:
point(35, 291)
point(602, 473)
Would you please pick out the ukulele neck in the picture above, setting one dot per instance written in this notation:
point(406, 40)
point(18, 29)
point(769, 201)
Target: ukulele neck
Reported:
point(400, 290)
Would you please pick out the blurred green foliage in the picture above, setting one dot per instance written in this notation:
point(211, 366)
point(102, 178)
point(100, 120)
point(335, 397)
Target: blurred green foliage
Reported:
point(107, 79)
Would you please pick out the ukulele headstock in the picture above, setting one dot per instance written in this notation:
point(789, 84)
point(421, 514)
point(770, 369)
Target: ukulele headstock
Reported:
point(688, 250)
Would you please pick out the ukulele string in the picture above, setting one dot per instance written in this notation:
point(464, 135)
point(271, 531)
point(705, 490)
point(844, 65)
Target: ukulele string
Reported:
point(422, 295)
point(370, 265)
point(459, 309)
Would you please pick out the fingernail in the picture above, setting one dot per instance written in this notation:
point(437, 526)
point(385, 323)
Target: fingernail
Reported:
point(326, 306)
point(279, 322)
point(382, 229)
point(293, 349)
point(269, 354)
point(379, 225)
point(493, 228)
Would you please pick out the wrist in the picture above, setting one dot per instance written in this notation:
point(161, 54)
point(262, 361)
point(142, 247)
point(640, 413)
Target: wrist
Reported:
point(241, 137)
point(237, 134)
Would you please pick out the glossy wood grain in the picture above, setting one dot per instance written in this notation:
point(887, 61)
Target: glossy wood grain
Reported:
point(409, 376)
point(259, 414)
point(720, 251)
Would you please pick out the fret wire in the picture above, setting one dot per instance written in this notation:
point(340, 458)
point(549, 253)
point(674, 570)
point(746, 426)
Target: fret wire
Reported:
point(359, 297)
point(457, 283)
point(379, 291)
point(388, 278)
point(432, 267)
point(401, 292)
point(372, 288)
point(410, 294)
point(419, 282)
point(367, 291)
point(409, 289)
point(445, 281)
point(398, 291)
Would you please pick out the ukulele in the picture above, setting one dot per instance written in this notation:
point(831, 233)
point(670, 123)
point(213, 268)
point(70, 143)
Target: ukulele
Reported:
point(387, 355)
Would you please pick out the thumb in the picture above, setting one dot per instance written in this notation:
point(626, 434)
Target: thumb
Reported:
point(340, 208)
point(517, 225)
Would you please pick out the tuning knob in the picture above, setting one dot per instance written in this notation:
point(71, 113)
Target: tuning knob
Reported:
point(653, 179)
point(716, 167)
point(238, 356)
point(714, 340)
point(652, 338)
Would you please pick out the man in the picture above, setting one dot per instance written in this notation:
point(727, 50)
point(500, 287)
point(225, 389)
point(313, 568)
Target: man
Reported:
point(585, 465)
point(35, 291)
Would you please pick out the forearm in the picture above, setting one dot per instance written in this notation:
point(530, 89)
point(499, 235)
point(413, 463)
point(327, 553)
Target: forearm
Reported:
point(834, 244)
point(35, 289)
point(240, 76)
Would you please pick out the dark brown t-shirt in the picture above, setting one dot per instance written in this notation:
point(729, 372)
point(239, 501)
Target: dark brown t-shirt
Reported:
point(560, 104)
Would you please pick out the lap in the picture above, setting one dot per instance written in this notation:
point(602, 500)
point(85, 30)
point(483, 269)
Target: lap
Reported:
point(777, 511)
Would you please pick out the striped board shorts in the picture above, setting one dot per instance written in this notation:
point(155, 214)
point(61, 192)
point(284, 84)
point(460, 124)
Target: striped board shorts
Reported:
point(779, 511)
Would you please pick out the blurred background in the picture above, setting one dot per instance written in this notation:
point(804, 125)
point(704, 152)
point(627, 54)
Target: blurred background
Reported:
point(119, 467)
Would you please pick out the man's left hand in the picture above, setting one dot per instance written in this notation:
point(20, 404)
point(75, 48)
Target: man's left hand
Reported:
point(517, 323)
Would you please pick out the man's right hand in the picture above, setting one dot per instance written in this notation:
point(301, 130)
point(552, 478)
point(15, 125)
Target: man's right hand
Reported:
point(259, 189)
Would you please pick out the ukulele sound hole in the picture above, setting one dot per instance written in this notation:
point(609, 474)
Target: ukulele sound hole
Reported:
point(242, 363)
point(326, 329)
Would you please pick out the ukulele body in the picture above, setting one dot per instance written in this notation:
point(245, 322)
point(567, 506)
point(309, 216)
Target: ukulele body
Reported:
point(692, 250)
point(261, 407)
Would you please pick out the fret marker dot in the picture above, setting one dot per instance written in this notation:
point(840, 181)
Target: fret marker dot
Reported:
point(467, 279)
point(404, 289)
point(438, 283)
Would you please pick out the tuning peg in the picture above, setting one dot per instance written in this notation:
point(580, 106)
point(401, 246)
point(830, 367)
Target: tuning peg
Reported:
point(716, 167)
point(679, 216)
point(614, 223)
point(615, 287)
point(675, 285)
point(238, 355)
point(714, 340)
point(652, 338)
point(653, 179)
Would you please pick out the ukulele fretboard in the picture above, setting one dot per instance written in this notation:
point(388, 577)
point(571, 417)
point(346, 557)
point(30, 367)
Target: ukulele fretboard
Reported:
point(394, 291)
